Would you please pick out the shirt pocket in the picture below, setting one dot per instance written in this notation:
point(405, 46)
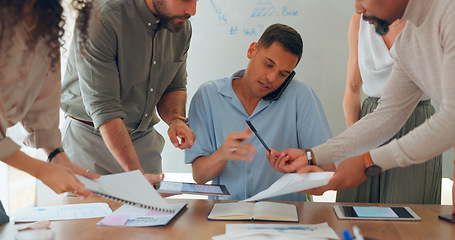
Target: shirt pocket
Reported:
point(169, 77)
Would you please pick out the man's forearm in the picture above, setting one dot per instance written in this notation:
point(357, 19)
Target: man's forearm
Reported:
point(119, 143)
point(172, 104)
point(206, 168)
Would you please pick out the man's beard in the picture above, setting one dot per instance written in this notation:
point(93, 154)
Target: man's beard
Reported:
point(166, 20)
point(381, 26)
point(168, 23)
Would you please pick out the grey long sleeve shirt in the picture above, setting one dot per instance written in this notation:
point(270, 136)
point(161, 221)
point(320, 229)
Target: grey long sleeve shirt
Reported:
point(132, 62)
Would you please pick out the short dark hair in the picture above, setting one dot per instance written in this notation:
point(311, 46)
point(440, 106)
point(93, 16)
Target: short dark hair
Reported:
point(284, 34)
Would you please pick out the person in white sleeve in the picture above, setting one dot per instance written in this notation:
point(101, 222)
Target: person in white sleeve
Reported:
point(424, 64)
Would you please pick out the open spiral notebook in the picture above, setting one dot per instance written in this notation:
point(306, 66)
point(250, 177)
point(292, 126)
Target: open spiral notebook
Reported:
point(129, 187)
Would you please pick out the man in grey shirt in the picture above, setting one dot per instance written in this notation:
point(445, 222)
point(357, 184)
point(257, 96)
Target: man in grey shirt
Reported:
point(134, 62)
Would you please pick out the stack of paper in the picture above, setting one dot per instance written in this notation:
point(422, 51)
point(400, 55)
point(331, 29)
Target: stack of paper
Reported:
point(62, 212)
point(277, 232)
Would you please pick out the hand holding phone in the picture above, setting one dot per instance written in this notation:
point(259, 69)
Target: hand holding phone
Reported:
point(277, 93)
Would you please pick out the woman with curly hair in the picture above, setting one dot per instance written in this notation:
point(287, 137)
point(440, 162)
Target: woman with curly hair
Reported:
point(30, 84)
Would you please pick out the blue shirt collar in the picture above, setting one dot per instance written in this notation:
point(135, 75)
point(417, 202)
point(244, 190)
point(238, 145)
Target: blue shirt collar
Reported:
point(226, 89)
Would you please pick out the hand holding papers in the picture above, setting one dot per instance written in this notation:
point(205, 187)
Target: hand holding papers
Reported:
point(294, 182)
point(129, 187)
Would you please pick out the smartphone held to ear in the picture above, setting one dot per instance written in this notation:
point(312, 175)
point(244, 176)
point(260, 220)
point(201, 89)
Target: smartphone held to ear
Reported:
point(277, 93)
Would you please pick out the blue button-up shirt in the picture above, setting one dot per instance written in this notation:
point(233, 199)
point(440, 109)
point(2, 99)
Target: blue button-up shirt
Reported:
point(295, 120)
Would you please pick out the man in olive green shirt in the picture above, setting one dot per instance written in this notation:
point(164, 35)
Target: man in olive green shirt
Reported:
point(134, 62)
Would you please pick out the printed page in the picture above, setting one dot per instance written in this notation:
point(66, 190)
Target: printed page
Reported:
point(275, 211)
point(128, 186)
point(236, 210)
point(294, 182)
point(62, 212)
point(131, 216)
point(279, 231)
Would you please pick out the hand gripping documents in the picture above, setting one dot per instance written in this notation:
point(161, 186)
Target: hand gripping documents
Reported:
point(130, 187)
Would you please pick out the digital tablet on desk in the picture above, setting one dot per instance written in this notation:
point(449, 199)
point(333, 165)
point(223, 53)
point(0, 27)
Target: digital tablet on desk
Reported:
point(194, 188)
point(375, 213)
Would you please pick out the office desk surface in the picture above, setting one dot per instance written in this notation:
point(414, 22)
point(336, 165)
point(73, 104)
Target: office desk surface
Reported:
point(193, 223)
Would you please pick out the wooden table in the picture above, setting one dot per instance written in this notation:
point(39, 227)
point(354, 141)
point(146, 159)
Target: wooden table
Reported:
point(193, 223)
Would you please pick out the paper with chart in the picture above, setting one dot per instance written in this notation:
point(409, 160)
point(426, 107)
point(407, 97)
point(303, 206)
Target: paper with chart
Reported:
point(277, 232)
point(131, 216)
point(294, 182)
point(62, 212)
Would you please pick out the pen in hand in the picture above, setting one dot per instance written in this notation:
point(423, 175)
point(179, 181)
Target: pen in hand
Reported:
point(257, 135)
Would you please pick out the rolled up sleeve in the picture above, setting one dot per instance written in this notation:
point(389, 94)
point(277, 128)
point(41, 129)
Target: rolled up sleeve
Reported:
point(201, 124)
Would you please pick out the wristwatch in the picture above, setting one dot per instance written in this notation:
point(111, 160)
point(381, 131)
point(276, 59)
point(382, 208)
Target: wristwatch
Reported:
point(310, 156)
point(371, 169)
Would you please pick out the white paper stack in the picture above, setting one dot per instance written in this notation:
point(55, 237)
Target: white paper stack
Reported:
point(277, 232)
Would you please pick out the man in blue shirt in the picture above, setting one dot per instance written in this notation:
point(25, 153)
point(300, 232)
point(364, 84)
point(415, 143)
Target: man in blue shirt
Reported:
point(224, 150)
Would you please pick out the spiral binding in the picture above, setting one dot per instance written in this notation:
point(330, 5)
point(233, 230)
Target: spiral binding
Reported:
point(132, 203)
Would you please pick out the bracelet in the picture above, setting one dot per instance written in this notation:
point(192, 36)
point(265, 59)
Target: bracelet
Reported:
point(310, 156)
point(54, 153)
point(184, 119)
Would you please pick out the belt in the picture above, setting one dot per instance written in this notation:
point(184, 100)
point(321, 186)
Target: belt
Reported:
point(421, 103)
point(82, 121)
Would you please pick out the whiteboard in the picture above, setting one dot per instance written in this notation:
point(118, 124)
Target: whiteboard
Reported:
point(224, 29)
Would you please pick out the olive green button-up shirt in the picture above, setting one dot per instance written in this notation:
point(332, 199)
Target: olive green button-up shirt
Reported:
point(132, 61)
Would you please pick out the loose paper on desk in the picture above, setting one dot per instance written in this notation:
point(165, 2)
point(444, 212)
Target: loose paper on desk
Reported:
point(62, 212)
point(294, 182)
point(277, 232)
point(131, 216)
point(128, 187)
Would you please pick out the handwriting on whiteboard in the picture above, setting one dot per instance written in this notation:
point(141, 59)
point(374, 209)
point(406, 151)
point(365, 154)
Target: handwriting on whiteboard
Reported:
point(263, 9)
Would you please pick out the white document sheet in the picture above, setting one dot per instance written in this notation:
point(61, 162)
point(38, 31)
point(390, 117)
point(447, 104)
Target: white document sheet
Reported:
point(294, 182)
point(131, 216)
point(62, 212)
point(277, 232)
